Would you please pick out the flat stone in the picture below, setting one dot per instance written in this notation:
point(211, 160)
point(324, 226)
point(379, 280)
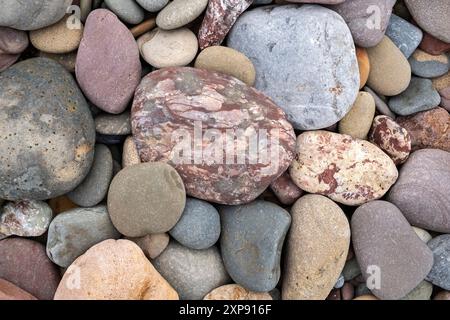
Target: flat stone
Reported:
point(127, 10)
point(236, 292)
point(404, 35)
point(429, 66)
point(9, 291)
point(359, 119)
point(439, 274)
point(179, 13)
point(110, 124)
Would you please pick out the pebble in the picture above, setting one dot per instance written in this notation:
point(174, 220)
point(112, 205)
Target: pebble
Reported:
point(251, 242)
point(152, 244)
point(9, 291)
point(61, 204)
point(340, 282)
point(422, 292)
point(285, 189)
point(108, 69)
point(428, 66)
point(366, 297)
point(439, 274)
point(110, 124)
point(420, 191)
point(390, 71)
point(358, 121)
point(168, 48)
point(424, 235)
point(95, 186)
point(199, 225)
point(390, 137)
point(67, 60)
point(364, 66)
point(127, 10)
point(143, 27)
point(85, 8)
point(179, 13)
point(349, 171)
point(443, 295)
point(314, 263)
point(236, 292)
point(146, 198)
point(152, 5)
point(193, 273)
point(442, 84)
point(287, 72)
point(130, 154)
point(50, 129)
point(380, 104)
point(114, 270)
point(229, 61)
point(351, 270)
point(73, 232)
point(12, 44)
point(25, 264)
point(406, 36)
point(433, 46)
point(382, 237)
point(185, 96)
point(26, 218)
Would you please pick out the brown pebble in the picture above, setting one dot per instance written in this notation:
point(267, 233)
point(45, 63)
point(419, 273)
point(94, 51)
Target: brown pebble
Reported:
point(143, 27)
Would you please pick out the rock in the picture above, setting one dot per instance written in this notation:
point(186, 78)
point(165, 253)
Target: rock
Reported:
point(25, 218)
point(364, 66)
point(113, 124)
point(382, 237)
point(25, 264)
point(12, 44)
point(314, 263)
point(285, 189)
point(108, 69)
point(278, 42)
point(142, 28)
point(73, 232)
point(146, 198)
point(351, 270)
point(152, 244)
point(347, 170)
point(57, 38)
point(390, 71)
point(95, 186)
point(433, 46)
point(422, 292)
point(340, 282)
point(114, 270)
point(428, 129)
point(404, 35)
point(390, 137)
point(168, 48)
point(380, 104)
point(67, 60)
point(193, 273)
point(152, 5)
point(127, 10)
point(236, 292)
point(50, 129)
point(130, 155)
point(220, 17)
point(439, 274)
point(443, 295)
point(7, 60)
point(228, 61)
point(422, 234)
point(428, 66)
point(251, 243)
point(172, 105)
point(366, 297)
point(367, 19)
point(61, 204)
point(421, 188)
point(9, 291)
point(432, 16)
point(358, 121)
point(179, 13)
point(199, 225)
point(32, 15)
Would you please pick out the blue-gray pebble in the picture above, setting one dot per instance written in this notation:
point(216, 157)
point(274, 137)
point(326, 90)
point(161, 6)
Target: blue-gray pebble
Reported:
point(127, 10)
point(153, 5)
point(440, 273)
point(404, 35)
point(428, 66)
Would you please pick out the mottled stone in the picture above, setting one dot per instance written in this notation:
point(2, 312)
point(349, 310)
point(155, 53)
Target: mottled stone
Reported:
point(390, 137)
point(152, 244)
point(404, 35)
point(236, 292)
point(9, 291)
point(289, 46)
point(174, 106)
point(113, 124)
point(359, 119)
point(440, 273)
point(426, 65)
point(127, 10)
point(251, 242)
point(47, 139)
point(179, 13)
point(364, 66)
point(347, 170)
point(285, 189)
point(382, 237)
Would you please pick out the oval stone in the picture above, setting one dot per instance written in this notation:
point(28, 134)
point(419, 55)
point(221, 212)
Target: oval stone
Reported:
point(179, 13)
point(347, 170)
point(175, 106)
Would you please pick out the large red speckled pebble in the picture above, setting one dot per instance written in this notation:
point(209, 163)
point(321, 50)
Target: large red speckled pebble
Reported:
point(205, 124)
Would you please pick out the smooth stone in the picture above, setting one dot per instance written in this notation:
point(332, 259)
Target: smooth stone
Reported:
point(380, 104)
point(366, 297)
point(424, 235)
point(57, 38)
point(288, 48)
point(152, 5)
point(406, 36)
point(50, 129)
point(251, 242)
point(179, 13)
point(95, 186)
point(442, 84)
point(146, 198)
point(390, 137)
point(114, 270)
point(25, 218)
point(367, 19)
point(228, 61)
point(127, 10)
point(340, 282)
point(443, 295)
point(168, 48)
point(351, 270)
point(12, 41)
point(428, 66)
point(364, 66)
point(382, 237)
point(7, 60)
point(440, 273)
point(108, 68)
point(358, 121)
point(67, 60)
point(61, 204)
point(199, 225)
point(390, 71)
point(193, 273)
point(422, 292)
point(172, 103)
point(432, 16)
point(285, 189)
point(349, 171)
point(433, 46)
point(152, 244)
point(73, 232)
point(143, 27)
point(25, 264)
point(86, 6)
point(9, 291)
point(428, 129)
point(130, 154)
point(110, 124)
point(314, 263)
point(236, 292)
point(32, 15)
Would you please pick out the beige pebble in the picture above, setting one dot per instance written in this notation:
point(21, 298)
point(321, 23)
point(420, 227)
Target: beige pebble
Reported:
point(236, 292)
point(366, 297)
point(130, 154)
point(153, 244)
point(358, 121)
point(424, 235)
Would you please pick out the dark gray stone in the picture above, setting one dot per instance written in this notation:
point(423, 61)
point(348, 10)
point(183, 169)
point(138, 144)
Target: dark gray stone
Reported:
point(404, 35)
point(440, 273)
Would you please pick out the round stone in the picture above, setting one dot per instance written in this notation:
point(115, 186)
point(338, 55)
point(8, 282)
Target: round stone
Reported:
point(358, 121)
point(127, 10)
point(179, 13)
point(236, 292)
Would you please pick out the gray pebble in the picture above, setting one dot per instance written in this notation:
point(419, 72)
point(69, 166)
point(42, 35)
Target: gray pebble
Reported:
point(380, 104)
point(110, 124)
point(440, 273)
point(340, 282)
point(404, 35)
point(127, 10)
point(153, 5)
